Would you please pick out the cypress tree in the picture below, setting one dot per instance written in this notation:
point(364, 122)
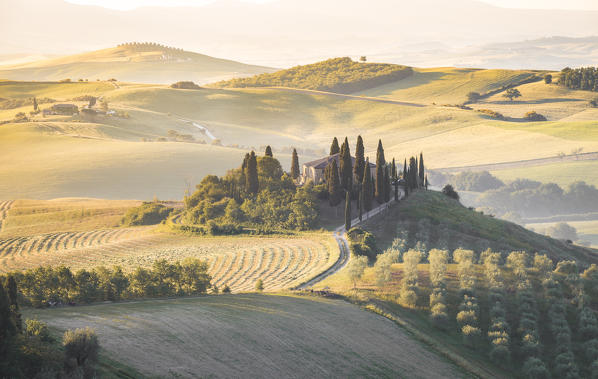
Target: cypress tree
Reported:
point(412, 173)
point(366, 186)
point(359, 160)
point(251, 179)
point(244, 171)
point(416, 174)
point(268, 152)
point(347, 211)
point(393, 170)
point(346, 169)
point(334, 186)
point(35, 106)
point(426, 181)
point(11, 289)
point(396, 188)
point(334, 149)
point(361, 192)
point(422, 175)
point(380, 163)
point(386, 184)
point(295, 165)
point(405, 169)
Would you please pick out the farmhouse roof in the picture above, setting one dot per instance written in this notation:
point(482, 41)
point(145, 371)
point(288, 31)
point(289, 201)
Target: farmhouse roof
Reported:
point(321, 163)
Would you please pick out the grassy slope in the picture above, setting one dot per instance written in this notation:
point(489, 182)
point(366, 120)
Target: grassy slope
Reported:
point(124, 63)
point(255, 117)
point(563, 173)
point(467, 228)
point(255, 335)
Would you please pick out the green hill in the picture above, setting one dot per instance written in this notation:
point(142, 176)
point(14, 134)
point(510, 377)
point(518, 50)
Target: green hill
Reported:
point(435, 221)
point(340, 75)
point(133, 62)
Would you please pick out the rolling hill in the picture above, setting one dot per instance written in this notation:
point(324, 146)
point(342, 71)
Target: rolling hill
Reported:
point(133, 62)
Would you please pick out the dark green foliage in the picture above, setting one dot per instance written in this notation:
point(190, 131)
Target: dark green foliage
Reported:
point(334, 185)
point(584, 78)
point(7, 322)
point(81, 348)
point(393, 170)
point(361, 205)
point(366, 187)
point(421, 170)
point(547, 78)
point(36, 328)
point(362, 242)
point(380, 163)
point(251, 177)
point(348, 211)
point(226, 289)
point(449, 191)
point(534, 116)
point(478, 181)
point(359, 160)
point(185, 85)
point(12, 292)
point(534, 368)
point(295, 165)
point(149, 213)
point(346, 169)
point(268, 152)
point(334, 148)
point(512, 93)
point(387, 189)
point(340, 75)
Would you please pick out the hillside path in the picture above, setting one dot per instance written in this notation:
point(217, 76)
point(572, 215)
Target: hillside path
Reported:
point(340, 235)
point(351, 97)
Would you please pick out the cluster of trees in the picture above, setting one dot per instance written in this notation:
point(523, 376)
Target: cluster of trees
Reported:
point(564, 365)
point(584, 78)
point(588, 332)
point(498, 331)
point(478, 181)
point(145, 46)
point(258, 194)
point(185, 85)
point(362, 243)
point(438, 308)
point(468, 315)
point(43, 286)
point(533, 199)
point(341, 75)
point(27, 349)
point(408, 290)
point(414, 174)
point(148, 213)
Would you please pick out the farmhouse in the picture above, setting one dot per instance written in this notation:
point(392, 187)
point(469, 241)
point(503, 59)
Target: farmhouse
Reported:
point(314, 170)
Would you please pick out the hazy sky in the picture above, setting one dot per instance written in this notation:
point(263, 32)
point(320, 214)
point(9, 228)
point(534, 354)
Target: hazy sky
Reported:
point(534, 4)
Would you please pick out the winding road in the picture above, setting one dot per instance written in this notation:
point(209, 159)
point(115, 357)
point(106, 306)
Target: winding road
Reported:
point(340, 235)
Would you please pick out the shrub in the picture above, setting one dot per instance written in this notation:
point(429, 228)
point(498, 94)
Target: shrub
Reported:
point(36, 328)
point(534, 116)
point(226, 289)
point(81, 347)
point(473, 97)
point(491, 113)
point(148, 213)
point(185, 85)
point(383, 265)
point(547, 78)
point(449, 191)
point(259, 285)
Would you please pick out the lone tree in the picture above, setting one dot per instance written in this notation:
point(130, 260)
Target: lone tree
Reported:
point(81, 347)
point(363, 58)
point(268, 152)
point(347, 211)
point(251, 178)
point(359, 160)
point(295, 165)
point(380, 163)
point(259, 285)
point(334, 186)
point(393, 170)
point(346, 169)
point(35, 106)
point(421, 169)
point(512, 93)
point(334, 148)
point(548, 79)
point(449, 191)
point(366, 186)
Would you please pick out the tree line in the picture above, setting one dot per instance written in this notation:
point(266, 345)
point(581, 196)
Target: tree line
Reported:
point(583, 78)
point(43, 286)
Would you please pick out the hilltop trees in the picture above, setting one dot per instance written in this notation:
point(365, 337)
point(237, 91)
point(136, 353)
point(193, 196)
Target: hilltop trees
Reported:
point(251, 177)
point(334, 148)
point(359, 160)
point(294, 165)
point(380, 164)
point(584, 78)
point(366, 186)
point(334, 186)
point(346, 169)
point(268, 152)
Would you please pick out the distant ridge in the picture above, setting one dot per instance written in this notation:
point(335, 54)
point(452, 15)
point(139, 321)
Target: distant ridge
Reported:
point(143, 62)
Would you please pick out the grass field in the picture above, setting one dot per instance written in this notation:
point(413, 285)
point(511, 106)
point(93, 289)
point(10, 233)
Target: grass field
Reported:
point(252, 335)
point(104, 157)
point(562, 174)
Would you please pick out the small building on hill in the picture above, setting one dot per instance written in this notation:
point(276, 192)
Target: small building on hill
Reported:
point(314, 170)
point(64, 109)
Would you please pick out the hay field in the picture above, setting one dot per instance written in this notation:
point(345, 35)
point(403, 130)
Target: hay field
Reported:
point(252, 335)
